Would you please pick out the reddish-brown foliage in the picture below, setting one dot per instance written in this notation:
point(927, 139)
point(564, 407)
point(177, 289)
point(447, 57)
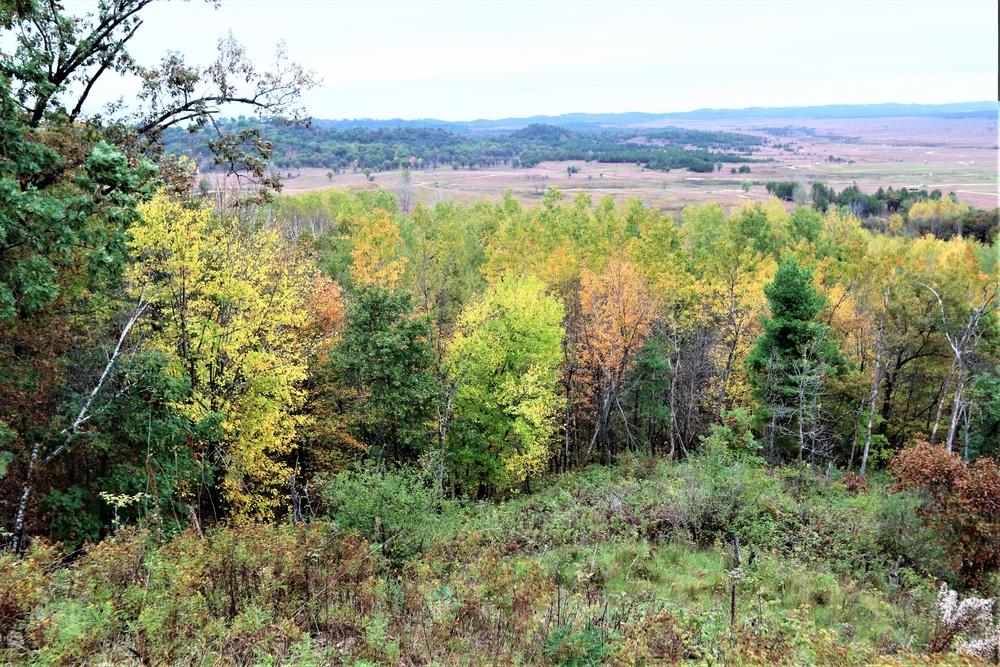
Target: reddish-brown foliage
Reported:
point(855, 483)
point(963, 504)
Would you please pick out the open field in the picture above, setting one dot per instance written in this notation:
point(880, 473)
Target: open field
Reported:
point(954, 155)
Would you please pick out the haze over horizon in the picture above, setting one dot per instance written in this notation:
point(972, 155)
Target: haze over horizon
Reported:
point(707, 110)
point(487, 60)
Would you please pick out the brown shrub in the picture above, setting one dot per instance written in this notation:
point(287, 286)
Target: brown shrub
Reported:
point(962, 505)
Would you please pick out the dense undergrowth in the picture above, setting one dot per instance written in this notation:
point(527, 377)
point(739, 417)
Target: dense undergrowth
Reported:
point(627, 565)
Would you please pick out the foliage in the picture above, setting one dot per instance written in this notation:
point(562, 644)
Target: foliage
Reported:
point(375, 253)
point(424, 388)
point(795, 302)
point(582, 648)
point(502, 362)
point(616, 318)
point(985, 437)
point(228, 303)
point(962, 498)
point(383, 365)
point(393, 509)
point(792, 358)
point(58, 58)
point(71, 182)
point(784, 190)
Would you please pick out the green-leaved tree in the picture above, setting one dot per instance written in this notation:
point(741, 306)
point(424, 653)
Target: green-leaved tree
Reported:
point(384, 363)
point(504, 362)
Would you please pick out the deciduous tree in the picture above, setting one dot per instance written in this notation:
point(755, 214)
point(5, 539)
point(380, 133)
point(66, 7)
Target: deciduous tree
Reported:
point(383, 363)
point(229, 309)
point(617, 312)
point(504, 362)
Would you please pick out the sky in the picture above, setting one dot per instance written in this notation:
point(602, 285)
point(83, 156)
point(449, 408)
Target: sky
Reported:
point(482, 59)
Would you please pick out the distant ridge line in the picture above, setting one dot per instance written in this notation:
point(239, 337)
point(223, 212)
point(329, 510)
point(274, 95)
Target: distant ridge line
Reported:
point(637, 118)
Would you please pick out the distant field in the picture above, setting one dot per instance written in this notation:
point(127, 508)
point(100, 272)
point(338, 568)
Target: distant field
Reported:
point(954, 155)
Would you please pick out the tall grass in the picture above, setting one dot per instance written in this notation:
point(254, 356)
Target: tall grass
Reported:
point(629, 565)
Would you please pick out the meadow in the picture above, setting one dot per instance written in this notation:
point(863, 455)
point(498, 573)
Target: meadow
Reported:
point(951, 154)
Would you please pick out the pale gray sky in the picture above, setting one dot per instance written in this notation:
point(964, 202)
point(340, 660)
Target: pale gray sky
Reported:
point(480, 59)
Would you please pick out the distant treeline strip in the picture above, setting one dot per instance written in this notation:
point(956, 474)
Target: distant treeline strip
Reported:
point(429, 147)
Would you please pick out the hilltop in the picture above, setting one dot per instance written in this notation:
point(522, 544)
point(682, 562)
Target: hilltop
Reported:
point(985, 109)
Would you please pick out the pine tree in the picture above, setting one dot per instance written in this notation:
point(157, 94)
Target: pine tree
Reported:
point(790, 362)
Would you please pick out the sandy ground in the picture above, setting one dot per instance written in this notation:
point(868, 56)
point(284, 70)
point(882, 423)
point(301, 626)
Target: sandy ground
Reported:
point(954, 155)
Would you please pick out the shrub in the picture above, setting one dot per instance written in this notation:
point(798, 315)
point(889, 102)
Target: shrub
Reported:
point(392, 508)
point(583, 648)
point(701, 167)
point(22, 585)
point(963, 505)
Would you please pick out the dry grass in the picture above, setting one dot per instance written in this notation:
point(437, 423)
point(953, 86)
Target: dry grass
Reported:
point(954, 155)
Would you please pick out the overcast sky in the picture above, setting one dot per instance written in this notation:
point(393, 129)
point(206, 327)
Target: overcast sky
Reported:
point(478, 59)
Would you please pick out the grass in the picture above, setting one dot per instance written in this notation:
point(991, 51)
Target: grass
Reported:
point(628, 565)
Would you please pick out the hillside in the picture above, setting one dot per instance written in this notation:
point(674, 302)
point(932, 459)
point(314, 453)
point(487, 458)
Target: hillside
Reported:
point(985, 109)
point(714, 390)
point(629, 565)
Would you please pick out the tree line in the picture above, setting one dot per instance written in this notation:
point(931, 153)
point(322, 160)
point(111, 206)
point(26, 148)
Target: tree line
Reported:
point(919, 211)
point(385, 149)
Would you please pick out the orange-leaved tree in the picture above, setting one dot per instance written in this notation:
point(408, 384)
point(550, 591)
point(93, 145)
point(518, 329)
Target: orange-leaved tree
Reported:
point(617, 314)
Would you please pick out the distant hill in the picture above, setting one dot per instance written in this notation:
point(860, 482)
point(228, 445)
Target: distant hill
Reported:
point(639, 119)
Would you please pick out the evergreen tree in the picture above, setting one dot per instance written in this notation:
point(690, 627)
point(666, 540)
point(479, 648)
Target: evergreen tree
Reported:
point(790, 362)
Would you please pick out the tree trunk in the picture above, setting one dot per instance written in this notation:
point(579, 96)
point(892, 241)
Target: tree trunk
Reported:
point(673, 408)
point(871, 415)
point(879, 342)
point(70, 432)
point(443, 418)
point(956, 410)
point(944, 395)
point(22, 506)
point(731, 357)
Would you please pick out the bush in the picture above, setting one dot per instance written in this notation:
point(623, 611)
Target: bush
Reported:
point(22, 586)
point(963, 506)
point(701, 167)
point(392, 508)
point(583, 648)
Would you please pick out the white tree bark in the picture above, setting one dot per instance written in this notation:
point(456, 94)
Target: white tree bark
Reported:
point(36, 463)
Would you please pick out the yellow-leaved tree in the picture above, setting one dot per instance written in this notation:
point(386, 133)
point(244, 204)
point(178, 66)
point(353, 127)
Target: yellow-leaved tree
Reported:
point(927, 215)
point(376, 253)
point(230, 311)
point(503, 363)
